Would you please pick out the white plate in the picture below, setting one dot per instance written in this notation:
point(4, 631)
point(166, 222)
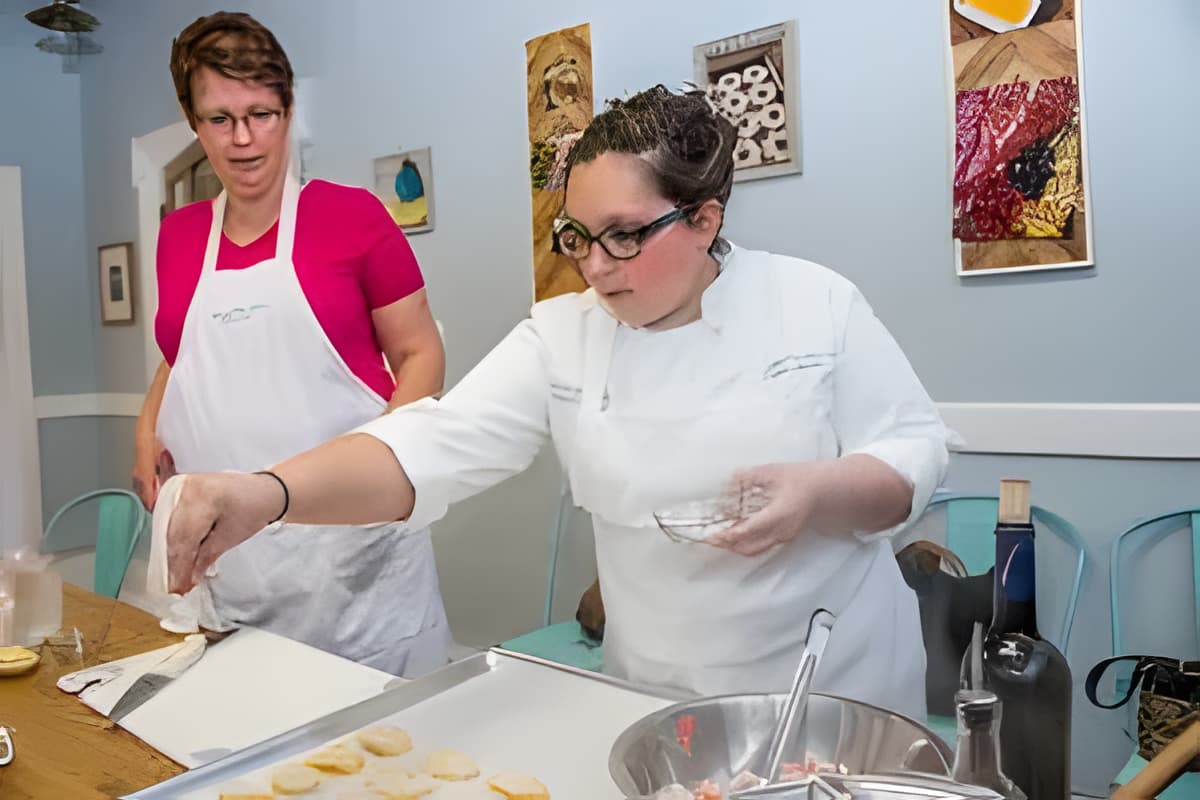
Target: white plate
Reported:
point(995, 23)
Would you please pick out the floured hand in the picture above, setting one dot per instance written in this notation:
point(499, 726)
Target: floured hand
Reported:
point(215, 513)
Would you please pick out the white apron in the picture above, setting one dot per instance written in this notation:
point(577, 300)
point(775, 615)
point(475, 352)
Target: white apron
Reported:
point(255, 382)
point(705, 619)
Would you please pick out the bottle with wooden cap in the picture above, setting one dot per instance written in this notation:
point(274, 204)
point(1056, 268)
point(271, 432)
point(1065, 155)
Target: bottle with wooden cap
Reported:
point(1027, 673)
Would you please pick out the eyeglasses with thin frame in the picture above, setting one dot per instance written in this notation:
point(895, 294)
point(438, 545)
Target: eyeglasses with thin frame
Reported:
point(574, 240)
point(260, 120)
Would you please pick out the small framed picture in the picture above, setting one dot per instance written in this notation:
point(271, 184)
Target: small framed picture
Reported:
point(404, 182)
point(751, 79)
point(116, 284)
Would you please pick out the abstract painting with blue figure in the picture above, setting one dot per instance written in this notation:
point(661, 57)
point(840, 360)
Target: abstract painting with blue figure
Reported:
point(409, 186)
point(405, 185)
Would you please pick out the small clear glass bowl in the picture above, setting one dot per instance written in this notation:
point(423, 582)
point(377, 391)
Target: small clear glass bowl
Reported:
point(698, 520)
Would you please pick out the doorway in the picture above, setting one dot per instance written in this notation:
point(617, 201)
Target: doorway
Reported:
point(20, 470)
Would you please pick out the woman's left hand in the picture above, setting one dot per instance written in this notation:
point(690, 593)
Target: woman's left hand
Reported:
point(791, 493)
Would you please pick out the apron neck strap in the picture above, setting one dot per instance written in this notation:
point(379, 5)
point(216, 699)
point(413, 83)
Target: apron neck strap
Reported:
point(214, 235)
point(598, 347)
point(284, 238)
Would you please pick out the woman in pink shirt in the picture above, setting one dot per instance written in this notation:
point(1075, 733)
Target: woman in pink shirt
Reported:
point(288, 316)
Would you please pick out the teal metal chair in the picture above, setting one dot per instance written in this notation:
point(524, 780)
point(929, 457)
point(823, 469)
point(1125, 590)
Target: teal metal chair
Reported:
point(120, 521)
point(970, 528)
point(1147, 533)
point(563, 642)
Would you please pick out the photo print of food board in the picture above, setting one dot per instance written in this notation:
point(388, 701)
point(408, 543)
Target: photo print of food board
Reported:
point(751, 78)
point(1020, 181)
point(558, 71)
point(404, 182)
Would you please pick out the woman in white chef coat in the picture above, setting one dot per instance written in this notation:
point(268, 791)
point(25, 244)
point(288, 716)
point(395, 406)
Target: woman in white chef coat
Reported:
point(688, 360)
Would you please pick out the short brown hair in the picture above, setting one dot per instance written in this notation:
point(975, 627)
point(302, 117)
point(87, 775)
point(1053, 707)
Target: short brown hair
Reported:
point(235, 45)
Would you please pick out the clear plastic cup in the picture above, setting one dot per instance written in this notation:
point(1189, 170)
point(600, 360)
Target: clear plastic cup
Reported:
point(30, 599)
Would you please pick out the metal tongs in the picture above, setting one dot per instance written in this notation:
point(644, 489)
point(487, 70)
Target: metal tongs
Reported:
point(819, 628)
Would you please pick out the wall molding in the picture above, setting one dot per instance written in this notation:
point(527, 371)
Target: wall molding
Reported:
point(1102, 430)
point(1097, 430)
point(58, 406)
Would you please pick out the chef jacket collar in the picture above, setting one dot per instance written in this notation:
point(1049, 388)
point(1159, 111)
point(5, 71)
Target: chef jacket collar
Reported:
point(717, 303)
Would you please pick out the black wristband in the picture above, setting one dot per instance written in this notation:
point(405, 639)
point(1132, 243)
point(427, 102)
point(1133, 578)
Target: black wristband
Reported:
point(287, 498)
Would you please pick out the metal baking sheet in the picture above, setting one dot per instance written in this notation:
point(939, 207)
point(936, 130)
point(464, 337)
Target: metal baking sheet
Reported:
point(508, 711)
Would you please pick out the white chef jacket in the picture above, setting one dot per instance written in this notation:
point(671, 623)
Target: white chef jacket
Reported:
point(787, 363)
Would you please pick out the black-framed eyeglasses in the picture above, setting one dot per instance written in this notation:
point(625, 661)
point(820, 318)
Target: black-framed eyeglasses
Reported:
point(574, 240)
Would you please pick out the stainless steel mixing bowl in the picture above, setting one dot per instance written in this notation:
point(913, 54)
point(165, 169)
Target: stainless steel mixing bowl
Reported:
point(732, 734)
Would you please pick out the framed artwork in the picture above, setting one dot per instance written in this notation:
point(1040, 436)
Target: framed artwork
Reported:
point(559, 102)
point(1021, 197)
point(751, 79)
point(404, 183)
point(116, 283)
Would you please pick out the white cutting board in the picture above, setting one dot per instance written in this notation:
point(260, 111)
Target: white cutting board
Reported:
point(248, 688)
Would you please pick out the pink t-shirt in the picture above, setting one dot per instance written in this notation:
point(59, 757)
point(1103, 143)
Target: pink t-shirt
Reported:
point(349, 256)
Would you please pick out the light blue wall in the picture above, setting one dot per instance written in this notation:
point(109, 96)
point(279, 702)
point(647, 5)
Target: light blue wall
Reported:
point(41, 133)
point(873, 202)
point(127, 92)
point(70, 134)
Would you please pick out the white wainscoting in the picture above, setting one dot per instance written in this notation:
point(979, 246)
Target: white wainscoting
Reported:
point(1103, 430)
point(1098, 430)
point(55, 406)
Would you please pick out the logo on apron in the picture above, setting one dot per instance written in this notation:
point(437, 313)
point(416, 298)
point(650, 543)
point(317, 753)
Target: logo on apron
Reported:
point(237, 314)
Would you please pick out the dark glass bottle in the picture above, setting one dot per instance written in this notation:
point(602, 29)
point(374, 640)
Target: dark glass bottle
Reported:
point(977, 754)
point(1027, 673)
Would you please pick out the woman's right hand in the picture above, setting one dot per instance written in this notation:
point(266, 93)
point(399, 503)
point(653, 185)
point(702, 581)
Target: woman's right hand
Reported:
point(145, 477)
point(215, 513)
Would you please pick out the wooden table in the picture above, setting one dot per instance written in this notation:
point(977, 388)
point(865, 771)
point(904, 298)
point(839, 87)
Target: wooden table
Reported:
point(64, 749)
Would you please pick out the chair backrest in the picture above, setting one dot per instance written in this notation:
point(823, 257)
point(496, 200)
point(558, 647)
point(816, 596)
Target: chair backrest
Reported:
point(1149, 531)
point(561, 521)
point(120, 521)
point(970, 525)
point(571, 566)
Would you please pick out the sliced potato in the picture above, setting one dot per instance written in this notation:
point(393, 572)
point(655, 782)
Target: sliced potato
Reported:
point(295, 778)
point(451, 765)
point(400, 787)
point(519, 787)
point(337, 758)
point(385, 769)
point(385, 741)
